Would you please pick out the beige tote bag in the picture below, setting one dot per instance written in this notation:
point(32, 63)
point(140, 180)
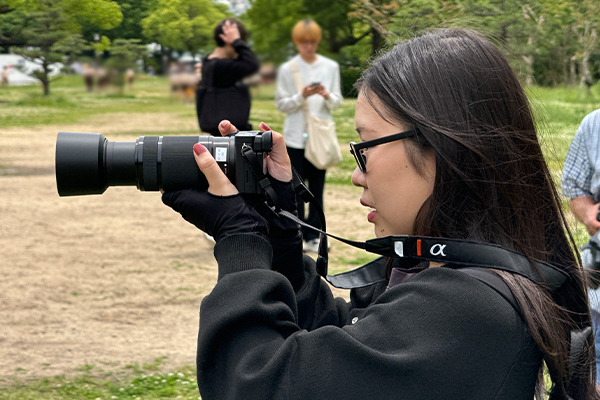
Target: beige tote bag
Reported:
point(321, 148)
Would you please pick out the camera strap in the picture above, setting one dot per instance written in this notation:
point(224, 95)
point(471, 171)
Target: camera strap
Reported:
point(452, 252)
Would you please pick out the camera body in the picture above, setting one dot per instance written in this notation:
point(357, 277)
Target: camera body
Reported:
point(87, 163)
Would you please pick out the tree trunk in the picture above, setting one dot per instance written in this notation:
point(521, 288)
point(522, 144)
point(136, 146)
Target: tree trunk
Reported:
point(376, 41)
point(573, 70)
point(589, 40)
point(528, 60)
point(45, 70)
point(586, 76)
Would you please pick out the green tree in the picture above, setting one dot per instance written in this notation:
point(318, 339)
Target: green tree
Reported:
point(51, 25)
point(377, 15)
point(12, 23)
point(587, 21)
point(134, 11)
point(272, 41)
point(183, 24)
point(338, 29)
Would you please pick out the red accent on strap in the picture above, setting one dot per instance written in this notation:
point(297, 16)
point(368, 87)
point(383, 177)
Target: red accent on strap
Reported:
point(418, 247)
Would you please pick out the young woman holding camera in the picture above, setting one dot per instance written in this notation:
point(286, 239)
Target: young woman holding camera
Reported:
point(449, 150)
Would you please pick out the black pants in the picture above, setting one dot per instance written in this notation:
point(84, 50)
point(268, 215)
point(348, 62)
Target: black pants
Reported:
point(315, 180)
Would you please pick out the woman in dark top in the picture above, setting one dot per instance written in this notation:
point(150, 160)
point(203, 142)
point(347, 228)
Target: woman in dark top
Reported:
point(468, 166)
point(222, 93)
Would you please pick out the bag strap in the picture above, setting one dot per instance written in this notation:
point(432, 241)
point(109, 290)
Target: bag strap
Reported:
point(296, 76)
point(298, 82)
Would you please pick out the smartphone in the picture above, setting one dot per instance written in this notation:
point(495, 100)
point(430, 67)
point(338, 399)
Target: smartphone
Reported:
point(315, 84)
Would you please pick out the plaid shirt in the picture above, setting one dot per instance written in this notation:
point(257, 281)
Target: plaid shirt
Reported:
point(581, 172)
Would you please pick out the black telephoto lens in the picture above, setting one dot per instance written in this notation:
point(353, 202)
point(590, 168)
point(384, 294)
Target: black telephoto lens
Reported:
point(87, 163)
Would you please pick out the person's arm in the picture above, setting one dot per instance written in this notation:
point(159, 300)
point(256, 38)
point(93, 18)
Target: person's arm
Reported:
point(333, 97)
point(578, 170)
point(284, 234)
point(246, 62)
point(586, 211)
point(287, 98)
point(440, 336)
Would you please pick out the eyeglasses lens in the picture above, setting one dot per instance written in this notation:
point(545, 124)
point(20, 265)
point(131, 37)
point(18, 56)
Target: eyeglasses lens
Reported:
point(359, 157)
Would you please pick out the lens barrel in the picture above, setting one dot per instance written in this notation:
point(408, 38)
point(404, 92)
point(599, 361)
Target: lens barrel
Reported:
point(80, 164)
point(87, 163)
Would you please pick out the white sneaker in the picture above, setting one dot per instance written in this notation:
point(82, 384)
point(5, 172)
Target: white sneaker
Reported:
point(311, 246)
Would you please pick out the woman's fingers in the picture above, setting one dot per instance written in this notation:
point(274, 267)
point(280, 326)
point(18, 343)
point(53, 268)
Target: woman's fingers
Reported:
point(230, 32)
point(278, 161)
point(218, 183)
point(226, 127)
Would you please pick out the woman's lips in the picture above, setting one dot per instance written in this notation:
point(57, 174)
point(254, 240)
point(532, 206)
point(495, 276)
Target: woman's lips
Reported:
point(371, 215)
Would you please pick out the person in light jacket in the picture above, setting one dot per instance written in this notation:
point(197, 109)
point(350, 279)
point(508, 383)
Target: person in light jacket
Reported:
point(320, 94)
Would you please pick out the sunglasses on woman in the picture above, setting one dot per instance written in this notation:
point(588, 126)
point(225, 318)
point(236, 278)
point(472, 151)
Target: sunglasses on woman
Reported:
point(358, 149)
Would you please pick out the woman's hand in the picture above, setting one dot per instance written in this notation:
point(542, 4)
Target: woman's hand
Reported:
point(218, 183)
point(311, 89)
point(230, 32)
point(220, 211)
point(277, 163)
point(591, 219)
point(323, 92)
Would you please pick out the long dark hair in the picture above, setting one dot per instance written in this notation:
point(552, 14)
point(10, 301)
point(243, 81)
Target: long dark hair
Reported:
point(492, 183)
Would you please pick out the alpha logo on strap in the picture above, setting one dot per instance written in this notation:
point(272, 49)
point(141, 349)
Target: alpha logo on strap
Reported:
point(438, 250)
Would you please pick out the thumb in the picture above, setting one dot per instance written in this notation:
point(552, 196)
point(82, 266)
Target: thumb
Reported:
point(218, 183)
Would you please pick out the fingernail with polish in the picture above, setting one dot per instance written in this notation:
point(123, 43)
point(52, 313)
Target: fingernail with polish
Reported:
point(199, 149)
point(265, 126)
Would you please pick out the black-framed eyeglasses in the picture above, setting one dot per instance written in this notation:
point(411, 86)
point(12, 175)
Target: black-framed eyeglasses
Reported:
point(358, 149)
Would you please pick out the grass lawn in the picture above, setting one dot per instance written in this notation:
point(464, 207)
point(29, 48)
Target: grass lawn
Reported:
point(558, 111)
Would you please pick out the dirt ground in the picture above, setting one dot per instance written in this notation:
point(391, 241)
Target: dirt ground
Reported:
point(107, 280)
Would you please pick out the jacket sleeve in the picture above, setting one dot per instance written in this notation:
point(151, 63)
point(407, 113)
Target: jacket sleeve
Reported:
point(335, 93)
point(314, 303)
point(287, 98)
point(413, 343)
point(578, 168)
point(581, 171)
point(244, 65)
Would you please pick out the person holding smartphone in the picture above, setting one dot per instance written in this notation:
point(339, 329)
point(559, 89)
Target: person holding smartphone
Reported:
point(320, 94)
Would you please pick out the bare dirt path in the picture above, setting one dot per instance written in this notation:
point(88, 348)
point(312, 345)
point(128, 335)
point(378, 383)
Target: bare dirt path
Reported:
point(105, 280)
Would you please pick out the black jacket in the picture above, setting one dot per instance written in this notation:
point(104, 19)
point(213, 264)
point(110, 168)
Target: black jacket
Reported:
point(222, 94)
point(271, 329)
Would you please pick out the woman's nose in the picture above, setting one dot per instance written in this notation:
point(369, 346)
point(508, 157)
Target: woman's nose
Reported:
point(358, 178)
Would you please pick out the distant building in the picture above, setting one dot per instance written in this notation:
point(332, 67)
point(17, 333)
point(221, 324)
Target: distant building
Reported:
point(237, 7)
point(19, 69)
